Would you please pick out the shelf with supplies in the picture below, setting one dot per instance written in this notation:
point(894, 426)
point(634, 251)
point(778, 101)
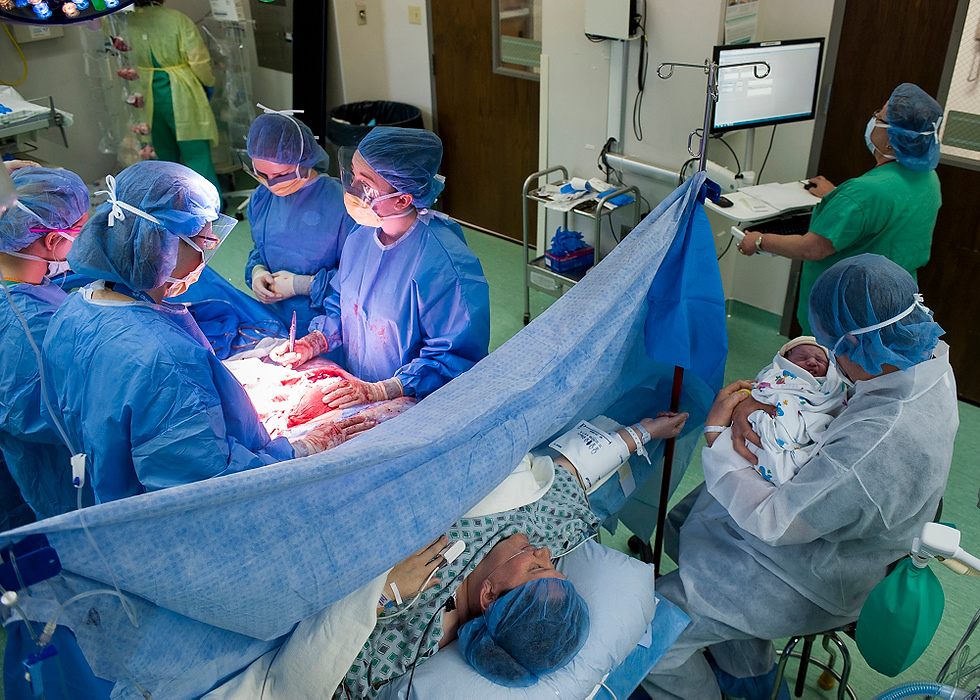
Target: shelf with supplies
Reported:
point(596, 206)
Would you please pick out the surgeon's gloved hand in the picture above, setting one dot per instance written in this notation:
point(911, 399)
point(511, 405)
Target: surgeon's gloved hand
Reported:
point(330, 434)
point(263, 285)
point(354, 392)
point(287, 284)
point(305, 349)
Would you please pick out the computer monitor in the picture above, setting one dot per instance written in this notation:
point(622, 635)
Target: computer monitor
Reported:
point(787, 94)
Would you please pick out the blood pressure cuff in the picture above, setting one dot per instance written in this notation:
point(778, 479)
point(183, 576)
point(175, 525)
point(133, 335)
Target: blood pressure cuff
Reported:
point(595, 453)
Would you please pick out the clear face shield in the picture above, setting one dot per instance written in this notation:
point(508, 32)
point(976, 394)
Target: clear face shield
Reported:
point(207, 242)
point(365, 194)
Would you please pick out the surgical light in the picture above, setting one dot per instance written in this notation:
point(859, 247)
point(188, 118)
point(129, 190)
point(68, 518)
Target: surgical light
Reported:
point(57, 11)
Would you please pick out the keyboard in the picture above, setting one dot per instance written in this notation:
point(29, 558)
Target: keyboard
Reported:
point(789, 226)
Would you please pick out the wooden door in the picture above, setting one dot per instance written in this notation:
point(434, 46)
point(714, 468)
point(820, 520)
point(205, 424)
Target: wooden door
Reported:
point(885, 43)
point(488, 122)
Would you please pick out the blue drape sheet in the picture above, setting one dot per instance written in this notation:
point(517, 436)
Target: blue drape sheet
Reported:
point(220, 570)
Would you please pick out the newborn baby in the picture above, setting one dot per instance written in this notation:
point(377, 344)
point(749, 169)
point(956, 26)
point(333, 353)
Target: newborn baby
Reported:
point(808, 393)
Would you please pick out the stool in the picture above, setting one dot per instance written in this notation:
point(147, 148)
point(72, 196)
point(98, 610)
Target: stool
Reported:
point(829, 676)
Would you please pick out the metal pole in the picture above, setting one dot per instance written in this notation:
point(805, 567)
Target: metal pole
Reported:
point(711, 94)
point(658, 540)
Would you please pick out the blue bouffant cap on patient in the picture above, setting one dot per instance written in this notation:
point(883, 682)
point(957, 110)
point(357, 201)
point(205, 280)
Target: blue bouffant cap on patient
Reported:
point(52, 198)
point(536, 628)
point(286, 140)
point(872, 307)
point(135, 250)
point(913, 127)
point(407, 159)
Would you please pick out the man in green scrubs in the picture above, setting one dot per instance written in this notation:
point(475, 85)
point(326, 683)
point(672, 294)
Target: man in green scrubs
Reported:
point(890, 210)
point(175, 71)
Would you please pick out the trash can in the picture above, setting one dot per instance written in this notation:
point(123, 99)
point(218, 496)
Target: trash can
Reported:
point(349, 123)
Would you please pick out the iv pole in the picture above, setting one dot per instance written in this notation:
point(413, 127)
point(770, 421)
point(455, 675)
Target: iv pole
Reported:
point(710, 69)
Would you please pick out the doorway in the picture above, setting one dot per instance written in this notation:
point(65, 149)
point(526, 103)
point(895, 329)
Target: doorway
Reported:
point(488, 121)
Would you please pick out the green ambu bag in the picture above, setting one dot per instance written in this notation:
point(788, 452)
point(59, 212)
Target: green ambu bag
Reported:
point(899, 618)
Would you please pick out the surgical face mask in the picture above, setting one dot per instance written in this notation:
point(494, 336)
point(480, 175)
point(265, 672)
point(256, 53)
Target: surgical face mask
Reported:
point(872, 125)
point(179, 286)
point(58, 267)
point(285, 184)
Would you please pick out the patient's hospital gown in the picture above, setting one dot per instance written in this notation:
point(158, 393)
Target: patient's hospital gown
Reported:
point(759, 562)
point(417, 310)
point(145, 398)
point(560, 519)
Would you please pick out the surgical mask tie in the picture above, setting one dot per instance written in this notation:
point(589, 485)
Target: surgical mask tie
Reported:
point(179, 286)
point(872, 125)
point(918, 302)
point(55, 267)
point(116, 213)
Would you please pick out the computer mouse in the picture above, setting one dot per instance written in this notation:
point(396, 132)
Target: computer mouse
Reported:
point(724, 202)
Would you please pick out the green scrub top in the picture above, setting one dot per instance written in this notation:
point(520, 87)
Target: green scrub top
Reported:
point(165, 40)
point(890, 210)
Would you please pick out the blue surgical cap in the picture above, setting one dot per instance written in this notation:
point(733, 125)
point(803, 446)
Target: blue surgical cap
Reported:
point(534, 629)
point(864, 291)
point(913, 127)
point(285, 140)
point(408, 160)
point(59, 198)
point(134, 250)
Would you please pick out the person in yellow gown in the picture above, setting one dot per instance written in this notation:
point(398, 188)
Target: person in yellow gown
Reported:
point(176, 79)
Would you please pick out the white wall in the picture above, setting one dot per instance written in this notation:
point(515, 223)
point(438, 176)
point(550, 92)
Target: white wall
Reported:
point(681, 32)
point(385, 59)
point(55, 67)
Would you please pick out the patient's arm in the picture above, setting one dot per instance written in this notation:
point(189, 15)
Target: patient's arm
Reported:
point(413, 572)
point(665, 425)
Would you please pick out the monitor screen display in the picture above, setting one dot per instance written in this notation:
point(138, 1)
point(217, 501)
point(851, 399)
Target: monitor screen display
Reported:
point(787, 94)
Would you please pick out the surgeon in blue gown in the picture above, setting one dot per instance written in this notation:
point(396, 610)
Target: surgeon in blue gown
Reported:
point(137, 385)
point(35, 237)
point(298, 219)
point(409, 304)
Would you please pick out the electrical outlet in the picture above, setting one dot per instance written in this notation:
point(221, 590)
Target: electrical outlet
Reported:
point(361, 14)
point(415, 14)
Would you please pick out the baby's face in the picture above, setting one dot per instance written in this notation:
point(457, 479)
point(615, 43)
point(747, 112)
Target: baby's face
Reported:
point(811, 358)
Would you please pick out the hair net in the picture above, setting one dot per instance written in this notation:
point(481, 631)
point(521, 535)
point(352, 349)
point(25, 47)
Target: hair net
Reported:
point(134, 250)
point(913, 127)
point(408, 160)
point(58, 198)
point(534, 629)
point(286, 140)
point(864, 291)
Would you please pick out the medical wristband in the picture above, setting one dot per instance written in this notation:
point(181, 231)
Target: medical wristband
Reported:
point(644, 435)
point(594, 453)
point(640, 449)
point(715, 429)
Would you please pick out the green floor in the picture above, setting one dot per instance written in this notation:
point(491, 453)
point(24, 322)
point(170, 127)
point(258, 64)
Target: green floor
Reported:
point(753, 339)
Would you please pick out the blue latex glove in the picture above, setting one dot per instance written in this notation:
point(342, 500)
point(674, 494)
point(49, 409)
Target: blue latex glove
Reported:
point(209, 91)
point(565, 242)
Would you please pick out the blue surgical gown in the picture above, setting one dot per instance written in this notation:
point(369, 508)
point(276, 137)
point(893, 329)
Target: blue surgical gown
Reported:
point(417, 310)
point(303, 233)
point(145, 398)
point(36, 457)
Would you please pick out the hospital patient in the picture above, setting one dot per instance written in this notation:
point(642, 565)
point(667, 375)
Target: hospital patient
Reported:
point(136, 383)
point(515, 616)
point(806, 393)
